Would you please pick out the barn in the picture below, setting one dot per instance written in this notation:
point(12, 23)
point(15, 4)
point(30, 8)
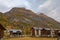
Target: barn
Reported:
point(15, 33)
point(44, 32)
point(1, 31)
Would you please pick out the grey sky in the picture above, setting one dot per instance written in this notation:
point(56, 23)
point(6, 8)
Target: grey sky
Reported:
point(49, 7)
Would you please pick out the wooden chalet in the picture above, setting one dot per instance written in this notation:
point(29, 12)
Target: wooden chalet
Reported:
point(44, 32)
point(1, 31)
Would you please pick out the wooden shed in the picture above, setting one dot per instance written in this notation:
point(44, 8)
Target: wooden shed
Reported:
point(36, 31)
point(15, 33)
point(55, 32)
point(46, 32)
point(2, 31)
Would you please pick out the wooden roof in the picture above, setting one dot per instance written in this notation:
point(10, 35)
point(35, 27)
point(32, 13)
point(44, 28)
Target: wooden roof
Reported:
point(1, 27)
point(37, 28)
point(14, 30)
point(40, 28)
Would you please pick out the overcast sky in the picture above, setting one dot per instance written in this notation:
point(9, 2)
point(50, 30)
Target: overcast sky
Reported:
point(49, 7)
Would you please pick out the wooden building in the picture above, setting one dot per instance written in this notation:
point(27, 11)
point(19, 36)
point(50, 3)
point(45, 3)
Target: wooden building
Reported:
point(58, 38)
point(44, 32)
point(1, 31)
point(15, 33)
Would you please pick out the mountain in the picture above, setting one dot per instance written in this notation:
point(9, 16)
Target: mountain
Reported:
point(21, 18)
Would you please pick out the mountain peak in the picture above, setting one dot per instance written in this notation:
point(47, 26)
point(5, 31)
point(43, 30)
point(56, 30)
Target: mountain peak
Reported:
point(29, 18)
point(17, 8)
